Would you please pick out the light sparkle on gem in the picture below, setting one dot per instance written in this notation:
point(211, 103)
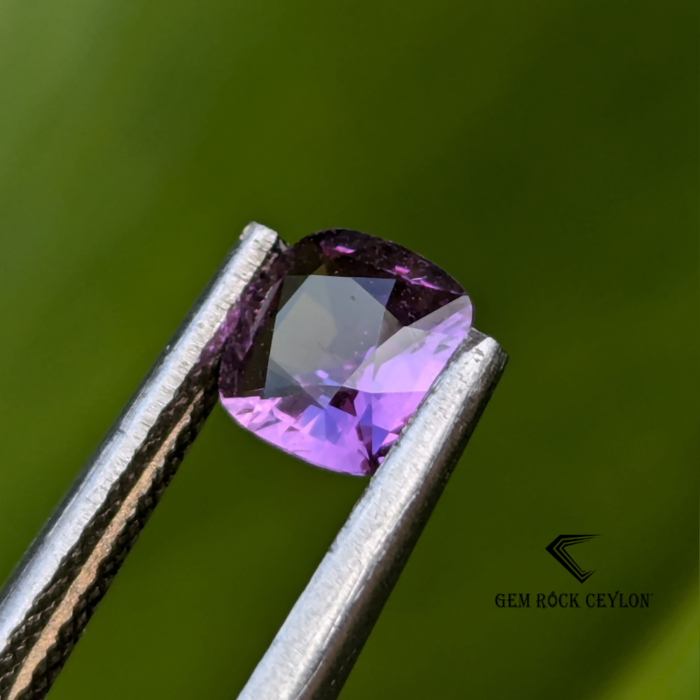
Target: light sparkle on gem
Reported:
point(343, 349)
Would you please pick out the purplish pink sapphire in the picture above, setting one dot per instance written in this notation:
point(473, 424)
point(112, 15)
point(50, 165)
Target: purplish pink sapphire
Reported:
point(350, 333)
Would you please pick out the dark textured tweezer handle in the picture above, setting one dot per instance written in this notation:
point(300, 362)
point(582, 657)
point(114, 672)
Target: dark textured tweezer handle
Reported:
point(49, 599)
point(39, 647)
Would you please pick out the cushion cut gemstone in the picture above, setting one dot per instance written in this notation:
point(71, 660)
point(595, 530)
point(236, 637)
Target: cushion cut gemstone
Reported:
point(350, 333)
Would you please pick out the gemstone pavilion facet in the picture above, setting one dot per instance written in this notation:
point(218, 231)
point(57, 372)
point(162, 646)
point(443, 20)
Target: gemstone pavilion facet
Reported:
point(350, 334)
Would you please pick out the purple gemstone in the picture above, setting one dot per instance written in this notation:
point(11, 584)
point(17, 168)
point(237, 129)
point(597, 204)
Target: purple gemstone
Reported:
point(351, 332)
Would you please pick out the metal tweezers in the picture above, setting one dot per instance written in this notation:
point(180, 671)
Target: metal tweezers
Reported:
point(51, 595)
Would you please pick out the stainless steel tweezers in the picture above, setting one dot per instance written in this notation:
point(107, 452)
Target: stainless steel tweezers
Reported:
point(50, 597)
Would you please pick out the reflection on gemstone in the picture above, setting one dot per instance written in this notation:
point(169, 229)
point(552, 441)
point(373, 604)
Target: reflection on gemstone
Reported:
point(345, 347)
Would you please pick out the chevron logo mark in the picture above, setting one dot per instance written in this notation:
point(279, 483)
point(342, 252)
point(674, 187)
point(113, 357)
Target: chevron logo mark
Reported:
point(558, 550)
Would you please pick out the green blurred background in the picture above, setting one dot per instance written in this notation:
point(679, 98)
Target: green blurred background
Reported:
point(544, 153)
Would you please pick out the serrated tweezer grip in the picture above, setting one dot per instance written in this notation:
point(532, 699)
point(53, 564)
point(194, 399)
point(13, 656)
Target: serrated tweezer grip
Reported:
point(47, 602)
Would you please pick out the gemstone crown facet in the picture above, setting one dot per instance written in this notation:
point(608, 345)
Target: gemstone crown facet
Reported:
point(332, 349)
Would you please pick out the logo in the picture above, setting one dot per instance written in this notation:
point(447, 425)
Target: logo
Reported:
point(570, 601)
point(558, 550)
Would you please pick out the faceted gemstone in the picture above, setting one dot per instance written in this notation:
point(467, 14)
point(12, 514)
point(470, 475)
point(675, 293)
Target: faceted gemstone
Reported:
point(333, 348)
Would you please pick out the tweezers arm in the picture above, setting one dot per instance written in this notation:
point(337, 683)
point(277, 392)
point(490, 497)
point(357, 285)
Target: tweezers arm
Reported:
point(315, 649)
point(46, 604)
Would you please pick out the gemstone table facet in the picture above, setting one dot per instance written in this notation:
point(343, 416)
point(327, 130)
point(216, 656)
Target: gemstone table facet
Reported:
point(351, 332)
